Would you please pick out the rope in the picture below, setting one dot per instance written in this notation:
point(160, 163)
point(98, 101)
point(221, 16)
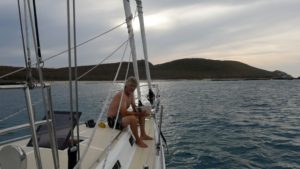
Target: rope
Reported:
point(100, 116)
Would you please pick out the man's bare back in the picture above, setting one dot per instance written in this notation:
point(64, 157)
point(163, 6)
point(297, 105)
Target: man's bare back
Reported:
point(114, 106)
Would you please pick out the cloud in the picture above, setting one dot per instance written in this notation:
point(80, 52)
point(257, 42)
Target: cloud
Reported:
point(245, 32)
point(260, 33)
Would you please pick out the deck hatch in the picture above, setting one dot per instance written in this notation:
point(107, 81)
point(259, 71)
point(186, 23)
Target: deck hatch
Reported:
point(117, 165)
point(131, 140)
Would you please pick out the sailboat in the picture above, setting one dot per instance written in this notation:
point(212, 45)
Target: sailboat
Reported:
point(60, 140)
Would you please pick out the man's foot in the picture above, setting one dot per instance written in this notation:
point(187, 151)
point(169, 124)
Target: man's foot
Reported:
point(146, 137)
point(141, 144)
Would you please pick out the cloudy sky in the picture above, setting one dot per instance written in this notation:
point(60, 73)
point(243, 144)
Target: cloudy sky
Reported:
point(261, 33)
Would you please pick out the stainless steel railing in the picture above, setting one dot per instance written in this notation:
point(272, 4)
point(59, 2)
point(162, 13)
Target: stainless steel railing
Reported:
point(34, 124)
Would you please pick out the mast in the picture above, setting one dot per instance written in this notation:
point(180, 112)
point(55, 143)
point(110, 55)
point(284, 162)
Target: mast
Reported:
point(151, 95)
point(143, 35)
point(129, 17)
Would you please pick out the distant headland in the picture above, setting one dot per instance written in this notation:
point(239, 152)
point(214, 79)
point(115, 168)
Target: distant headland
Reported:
point(190, 69)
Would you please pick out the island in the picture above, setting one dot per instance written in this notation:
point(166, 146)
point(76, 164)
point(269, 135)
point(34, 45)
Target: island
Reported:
point(190, 69)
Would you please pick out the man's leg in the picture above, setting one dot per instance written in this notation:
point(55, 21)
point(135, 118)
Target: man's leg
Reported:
point(144, 136)
point(131, 120)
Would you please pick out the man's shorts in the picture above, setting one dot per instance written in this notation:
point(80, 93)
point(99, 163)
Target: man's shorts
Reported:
point(111, 122)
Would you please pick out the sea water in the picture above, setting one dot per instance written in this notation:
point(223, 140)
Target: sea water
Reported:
point(207, 124)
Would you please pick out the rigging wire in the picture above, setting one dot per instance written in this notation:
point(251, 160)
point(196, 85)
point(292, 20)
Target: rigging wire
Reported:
point(82, 43)
point(18, 112)
point(76, 74)
point(37, 32)
point(115, 122)
point(114, 128)
point(33, 31)
point(40, 65)
point(112, 52)
point(37, 47)
point(13, 72)
point(29, 71)
point(22, 33)
point(119, 107)
point(84, 74)
point(66, 50)
point(101, 114)
point(70, 71)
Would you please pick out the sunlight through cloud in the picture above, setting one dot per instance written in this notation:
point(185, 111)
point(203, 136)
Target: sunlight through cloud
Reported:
point(154, 22)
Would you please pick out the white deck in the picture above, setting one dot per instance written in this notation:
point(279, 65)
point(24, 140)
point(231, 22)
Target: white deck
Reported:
point(140, 156)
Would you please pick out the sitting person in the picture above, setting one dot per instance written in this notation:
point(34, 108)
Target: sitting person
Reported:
point(128, 117)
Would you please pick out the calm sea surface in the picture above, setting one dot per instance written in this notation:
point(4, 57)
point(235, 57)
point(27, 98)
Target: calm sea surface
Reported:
point(208, 124)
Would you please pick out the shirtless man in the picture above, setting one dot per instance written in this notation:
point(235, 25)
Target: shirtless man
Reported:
point(128, 117)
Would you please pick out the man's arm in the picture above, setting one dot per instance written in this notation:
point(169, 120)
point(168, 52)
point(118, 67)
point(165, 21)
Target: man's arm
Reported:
point(140, 112)
point(124, 111)
point(132, 102)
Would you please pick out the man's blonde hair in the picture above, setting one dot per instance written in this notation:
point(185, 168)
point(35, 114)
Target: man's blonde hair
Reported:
point(131, 81)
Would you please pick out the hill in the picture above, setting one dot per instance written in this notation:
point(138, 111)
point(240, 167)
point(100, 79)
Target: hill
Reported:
point(178, 69)
point(213, 69)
